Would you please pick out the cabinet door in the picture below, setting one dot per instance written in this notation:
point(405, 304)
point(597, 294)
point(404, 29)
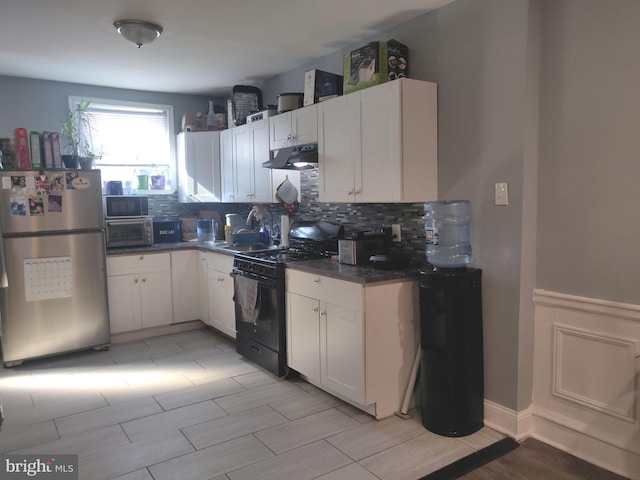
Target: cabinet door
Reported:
point(303, 335)
point(342, 349)
point(124, 303)
point(339, 148)
point(155, 299)
point(242, 146)
point(199, 167)
point(203, 288)
point(280, 134)
point(227, 165)
point(221, 306)
point(381, 168)
point(304, 125)
point(260, 150)
point(185, 286)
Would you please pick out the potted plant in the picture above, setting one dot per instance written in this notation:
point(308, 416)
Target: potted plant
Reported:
point(157, 178)
point(77, 133)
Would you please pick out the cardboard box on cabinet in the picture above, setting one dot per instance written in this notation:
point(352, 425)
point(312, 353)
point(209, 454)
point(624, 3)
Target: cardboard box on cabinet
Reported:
point(375, 63)
point(320, 85)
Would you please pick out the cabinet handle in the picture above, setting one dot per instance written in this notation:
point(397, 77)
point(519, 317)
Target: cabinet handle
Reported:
point(135, 280)
point(357, 192)
point(141, 257)
point(315, 310)
point(144, 280)
point(316, 281)
point(220, 279)
point(323, 313)
point(350, 192)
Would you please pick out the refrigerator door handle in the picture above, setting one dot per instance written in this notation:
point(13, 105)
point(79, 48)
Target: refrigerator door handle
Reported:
point(4, 281)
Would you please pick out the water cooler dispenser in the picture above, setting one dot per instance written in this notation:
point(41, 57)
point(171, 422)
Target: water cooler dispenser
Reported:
point(451, 373)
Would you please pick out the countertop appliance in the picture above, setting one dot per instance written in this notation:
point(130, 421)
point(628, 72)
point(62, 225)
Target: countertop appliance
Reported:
point(52, 257)
point(360, 247)
point(119, 206)
point(259, 291)
point(129, 232)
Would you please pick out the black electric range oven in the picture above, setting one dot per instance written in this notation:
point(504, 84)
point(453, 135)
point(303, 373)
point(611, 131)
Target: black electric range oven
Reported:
point(259, 292)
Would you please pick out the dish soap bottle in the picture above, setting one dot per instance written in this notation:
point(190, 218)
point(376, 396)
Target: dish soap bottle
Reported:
point(228, 234)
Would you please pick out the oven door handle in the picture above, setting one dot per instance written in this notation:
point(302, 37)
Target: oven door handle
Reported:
point(262, 281)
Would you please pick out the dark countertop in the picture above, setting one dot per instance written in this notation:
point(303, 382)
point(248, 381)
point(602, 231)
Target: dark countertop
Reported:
point(170, 247)
point(352, 273)
point(327, 267)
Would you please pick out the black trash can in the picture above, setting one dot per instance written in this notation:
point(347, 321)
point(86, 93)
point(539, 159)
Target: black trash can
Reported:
point(451, 372)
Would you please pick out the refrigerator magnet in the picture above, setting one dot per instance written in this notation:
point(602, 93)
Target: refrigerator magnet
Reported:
point(57, 183)
point(54, 203)
point(18, 206)
point(71, 176)
point(36, 205)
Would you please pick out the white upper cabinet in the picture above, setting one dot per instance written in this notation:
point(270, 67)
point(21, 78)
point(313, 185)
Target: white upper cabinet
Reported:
point(227, 165)
point(296, 127)
point(250, 150)
point(380, 144)
point(199, 167)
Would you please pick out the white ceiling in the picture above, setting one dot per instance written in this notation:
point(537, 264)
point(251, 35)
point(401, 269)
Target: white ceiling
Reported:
point(207, 45)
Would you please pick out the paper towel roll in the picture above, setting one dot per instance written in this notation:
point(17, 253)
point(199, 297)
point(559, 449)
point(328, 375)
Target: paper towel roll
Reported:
point(284, 229)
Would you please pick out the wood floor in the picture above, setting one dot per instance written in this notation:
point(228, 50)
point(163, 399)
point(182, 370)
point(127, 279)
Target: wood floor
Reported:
point(534, 460)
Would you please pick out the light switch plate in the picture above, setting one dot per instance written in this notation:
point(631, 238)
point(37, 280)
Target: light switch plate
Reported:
point(502, 193)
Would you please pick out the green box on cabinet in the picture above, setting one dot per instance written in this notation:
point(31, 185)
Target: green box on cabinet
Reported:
point(375, 63)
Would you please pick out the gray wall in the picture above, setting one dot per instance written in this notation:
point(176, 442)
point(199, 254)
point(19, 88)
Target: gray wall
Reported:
point(42, 105)
point(476, 50)
point(589, 195)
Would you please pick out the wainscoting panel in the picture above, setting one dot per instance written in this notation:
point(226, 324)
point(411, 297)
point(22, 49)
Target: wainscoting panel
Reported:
point(586, 380)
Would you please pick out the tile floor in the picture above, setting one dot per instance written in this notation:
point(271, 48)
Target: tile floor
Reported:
point(187, 406)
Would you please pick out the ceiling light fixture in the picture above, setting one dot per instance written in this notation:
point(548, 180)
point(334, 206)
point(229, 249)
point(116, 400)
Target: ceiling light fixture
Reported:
point(138, 31)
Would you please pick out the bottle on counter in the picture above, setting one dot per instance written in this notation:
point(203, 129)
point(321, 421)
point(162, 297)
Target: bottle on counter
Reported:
point(228, 234)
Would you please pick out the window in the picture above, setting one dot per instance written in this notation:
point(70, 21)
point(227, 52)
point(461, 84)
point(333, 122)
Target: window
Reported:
point(134, 143)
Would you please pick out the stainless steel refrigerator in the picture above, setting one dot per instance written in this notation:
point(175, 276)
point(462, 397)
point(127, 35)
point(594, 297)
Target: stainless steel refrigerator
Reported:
point(52, 258)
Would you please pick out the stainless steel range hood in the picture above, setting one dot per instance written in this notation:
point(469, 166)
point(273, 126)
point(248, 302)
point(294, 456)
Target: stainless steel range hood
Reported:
point(302, 157)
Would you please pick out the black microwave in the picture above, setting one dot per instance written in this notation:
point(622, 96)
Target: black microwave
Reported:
point(119, 206)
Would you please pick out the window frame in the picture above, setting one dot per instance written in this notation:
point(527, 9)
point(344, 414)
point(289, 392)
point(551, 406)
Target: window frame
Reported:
point(73, 100)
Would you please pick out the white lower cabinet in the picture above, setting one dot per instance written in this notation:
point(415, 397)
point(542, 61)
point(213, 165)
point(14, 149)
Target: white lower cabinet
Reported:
point(139, 291)
point(185, 286)
point(356, 341)
point(222, 314)
point(203, 287)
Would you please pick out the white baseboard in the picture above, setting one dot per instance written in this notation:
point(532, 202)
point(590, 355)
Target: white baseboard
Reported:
point(514, 424)
point(593, 450)
point(155, 331)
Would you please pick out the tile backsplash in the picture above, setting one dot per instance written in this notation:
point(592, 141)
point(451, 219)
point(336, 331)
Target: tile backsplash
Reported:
point(356, 216)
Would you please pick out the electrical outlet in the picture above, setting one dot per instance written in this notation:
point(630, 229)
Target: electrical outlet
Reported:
point(396, 233)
